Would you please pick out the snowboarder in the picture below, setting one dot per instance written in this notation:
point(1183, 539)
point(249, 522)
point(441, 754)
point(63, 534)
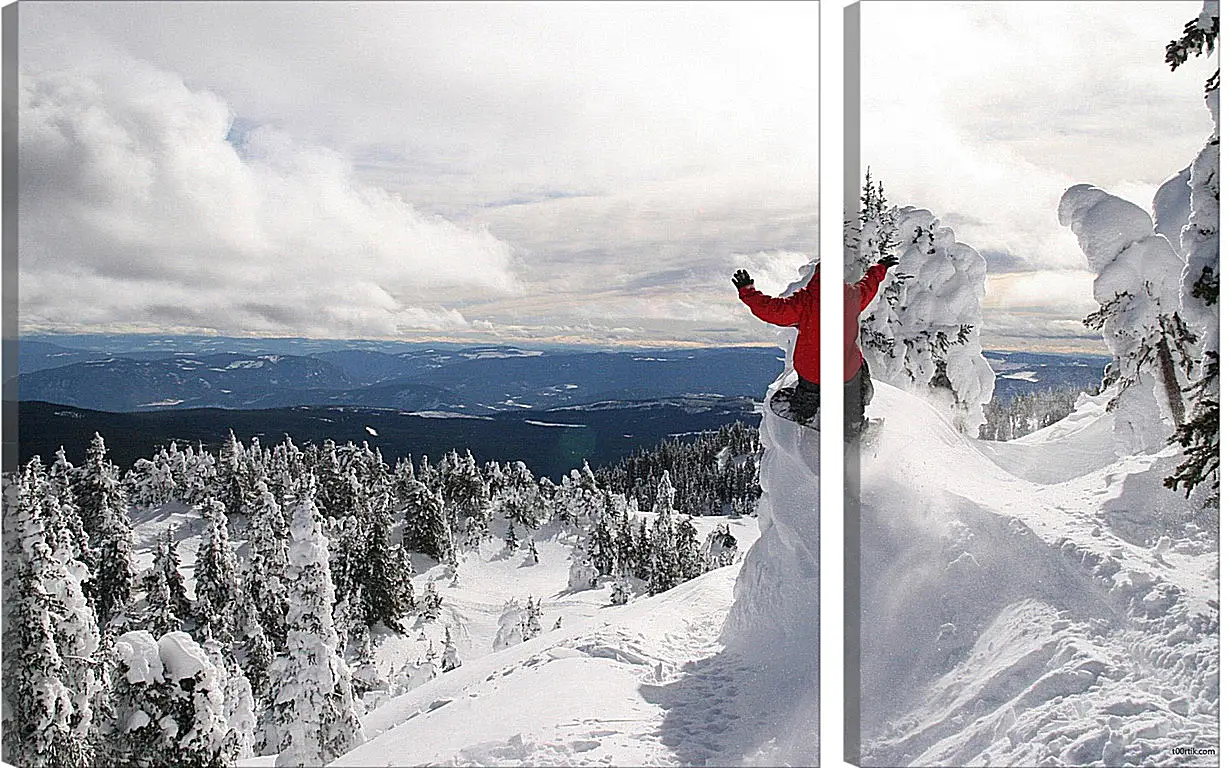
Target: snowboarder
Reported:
point(858, 388)
point(798, 310)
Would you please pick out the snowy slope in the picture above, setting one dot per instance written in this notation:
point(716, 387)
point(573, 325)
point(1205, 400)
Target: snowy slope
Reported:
point(622, 685)
point(721, 670)
point(1040, 602)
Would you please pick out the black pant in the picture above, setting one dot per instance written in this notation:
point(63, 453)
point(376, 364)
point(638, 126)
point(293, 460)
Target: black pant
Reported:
point(858, 394)
point(805, 401)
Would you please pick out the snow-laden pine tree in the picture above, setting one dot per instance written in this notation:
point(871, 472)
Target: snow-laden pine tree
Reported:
point(516, 496)
point(922, 331)
point(161, 614)
point(426, 524)
point(200, 471)
point(720, 548)
point(104, 516)
point(384, 570)
point(71, 530)
point(1137, 287)
point(232, 480)
point(216, 584)
point(150, 483)
point(314, 715)
point(239, 705)
point(40, 714)
point(170, 703)
point(515, 624)
point(1198, 243)
point(255, 653)
point(663, 570)
point(266, 566)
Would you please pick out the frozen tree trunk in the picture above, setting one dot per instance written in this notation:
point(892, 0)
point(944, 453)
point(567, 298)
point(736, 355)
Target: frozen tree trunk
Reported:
point(1169, 378)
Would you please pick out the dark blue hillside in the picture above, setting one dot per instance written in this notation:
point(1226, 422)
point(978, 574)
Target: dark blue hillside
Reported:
point(550, 442)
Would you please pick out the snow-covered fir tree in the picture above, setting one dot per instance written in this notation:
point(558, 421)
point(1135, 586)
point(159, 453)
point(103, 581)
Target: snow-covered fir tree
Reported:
point(922, 331)
point(1198, 243)
point(314, 714)
point(448, 657)
point(161, 613)
point(1137, 281)
point(40, 714)
point(67, 527)
point(170, 703)
point(268, 535)
point(239, 705)
point(427, 529)
point(216, 576)
point(104, 516)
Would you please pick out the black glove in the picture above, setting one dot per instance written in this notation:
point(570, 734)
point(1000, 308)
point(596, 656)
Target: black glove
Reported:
point(889, 261)
point(741, 278)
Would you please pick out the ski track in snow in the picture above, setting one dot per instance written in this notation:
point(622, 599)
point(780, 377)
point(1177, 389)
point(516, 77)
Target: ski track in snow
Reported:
point(1039, 602)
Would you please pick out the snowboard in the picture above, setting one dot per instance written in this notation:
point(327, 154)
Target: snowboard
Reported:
point(780, 405)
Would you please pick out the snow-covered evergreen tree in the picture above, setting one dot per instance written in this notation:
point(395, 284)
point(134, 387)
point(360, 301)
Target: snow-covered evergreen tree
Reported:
point(314, 714)
point(1199, 245)
point(449, 659)
point(1137, 286)
point(67, 527)
point(216, 568)
point(922, 331)
point(170, 703)
point(720, 548)
point(239, 705)
point(266, 567)
point(104, 516)
point(39, 713)
point(385, 570)
point(426, 524)
point(161, 614)
point(518, 623)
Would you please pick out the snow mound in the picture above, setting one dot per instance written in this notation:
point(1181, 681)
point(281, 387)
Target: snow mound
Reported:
point(1007, 621)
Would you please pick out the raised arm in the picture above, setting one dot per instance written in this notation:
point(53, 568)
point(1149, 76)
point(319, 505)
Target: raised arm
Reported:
point(778, 311)
point(868, 286)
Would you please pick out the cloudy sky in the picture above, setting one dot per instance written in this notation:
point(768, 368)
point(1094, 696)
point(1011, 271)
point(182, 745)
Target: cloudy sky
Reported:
point(986, 113)
point(553, 171)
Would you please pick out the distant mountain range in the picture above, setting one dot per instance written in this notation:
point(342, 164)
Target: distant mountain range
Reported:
point(462, 379)
point(550, 407)
point(1020, 372)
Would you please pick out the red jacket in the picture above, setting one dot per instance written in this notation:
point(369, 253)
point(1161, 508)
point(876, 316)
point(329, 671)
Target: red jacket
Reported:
point(798, 310)
point(857, 296)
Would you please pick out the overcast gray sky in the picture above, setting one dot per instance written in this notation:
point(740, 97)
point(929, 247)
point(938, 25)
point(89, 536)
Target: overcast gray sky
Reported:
point(985, 113)
point(555, 171)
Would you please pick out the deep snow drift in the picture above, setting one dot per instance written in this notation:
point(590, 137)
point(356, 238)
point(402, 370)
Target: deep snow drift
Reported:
point(1037, 602)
